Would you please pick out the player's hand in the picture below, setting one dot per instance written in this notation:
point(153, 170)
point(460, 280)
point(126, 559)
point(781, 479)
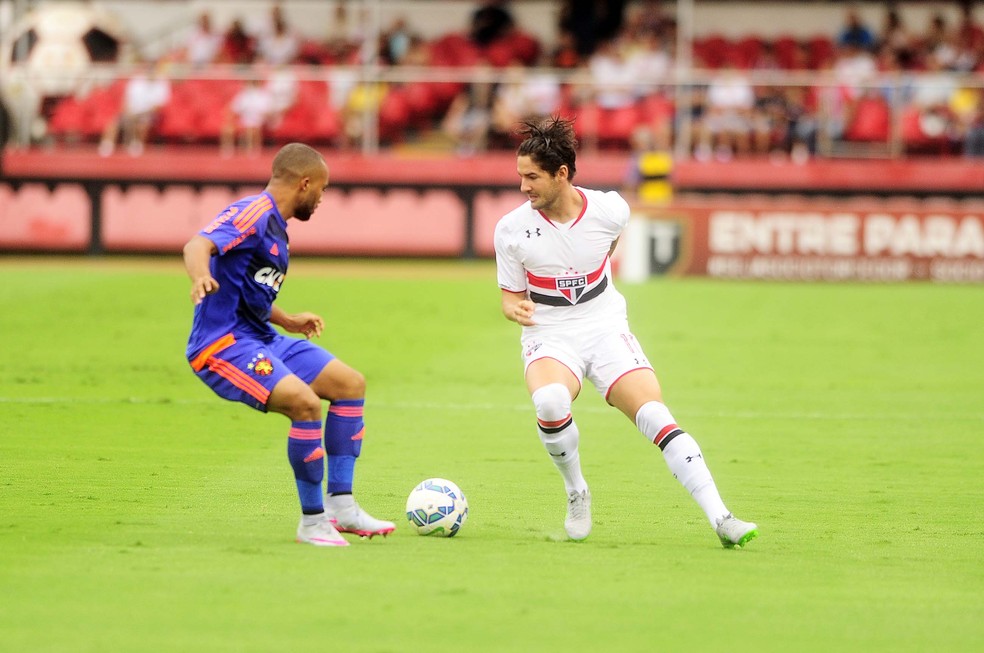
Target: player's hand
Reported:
point(201, 287)
point(308, 324)
point(523, 312)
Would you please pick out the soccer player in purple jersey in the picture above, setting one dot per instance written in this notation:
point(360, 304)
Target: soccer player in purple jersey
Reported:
point(237, 265)
point(553, 261)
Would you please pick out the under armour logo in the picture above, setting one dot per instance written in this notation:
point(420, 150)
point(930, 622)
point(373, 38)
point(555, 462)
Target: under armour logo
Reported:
point(690, 459)
point(533, 232)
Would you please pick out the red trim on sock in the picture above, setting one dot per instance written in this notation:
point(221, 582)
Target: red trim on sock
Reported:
point(550, 425)
point(305, 434)
point(666, 430)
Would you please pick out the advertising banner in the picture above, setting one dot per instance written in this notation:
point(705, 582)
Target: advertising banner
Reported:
point(806, 239)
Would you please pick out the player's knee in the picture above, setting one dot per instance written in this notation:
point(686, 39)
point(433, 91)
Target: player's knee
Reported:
point(351, 386)
point(552, 402)
point(300, 404)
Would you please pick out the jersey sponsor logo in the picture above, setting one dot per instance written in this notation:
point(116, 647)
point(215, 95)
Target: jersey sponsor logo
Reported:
point(238, 239)
point(269, 276)
point(572, 287)
point(222, 219)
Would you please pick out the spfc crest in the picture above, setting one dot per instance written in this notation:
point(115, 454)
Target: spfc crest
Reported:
point(572, 287)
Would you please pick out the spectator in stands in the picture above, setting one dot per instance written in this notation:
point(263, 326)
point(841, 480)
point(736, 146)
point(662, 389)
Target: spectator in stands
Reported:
point(245, 119)
point(238, 47)
point(855, 32)
point(281, 84)
point(144, 96)
point(280, 45)
point(968, 29)
point(725, 130)
point(973, 145)
point(939, 42)
point(614, 76)
point(396, 42)
point(591, 22)
point(653, 19)
point(650, 62)
point(565, 53)
point(203, 44)
point(469, 118)
point(346, 34)
point(932, 92)
point(490, 22)
point(854, 66)
point(524, 93)
point(897, 39)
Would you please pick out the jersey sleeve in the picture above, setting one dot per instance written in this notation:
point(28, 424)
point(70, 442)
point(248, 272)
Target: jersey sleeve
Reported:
point(510, 272)
point(618, 210)
point(232, 229)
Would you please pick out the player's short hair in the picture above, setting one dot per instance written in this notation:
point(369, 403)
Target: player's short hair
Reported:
point(296, 160)
point(550, 143)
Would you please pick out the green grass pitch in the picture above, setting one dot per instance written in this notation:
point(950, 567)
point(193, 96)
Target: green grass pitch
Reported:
point(138, 512)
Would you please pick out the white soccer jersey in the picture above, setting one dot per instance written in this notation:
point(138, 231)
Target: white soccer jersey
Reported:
point(563, 268)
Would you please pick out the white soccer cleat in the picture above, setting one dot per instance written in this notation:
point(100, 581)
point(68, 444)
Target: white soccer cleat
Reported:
point(578, 522)
point(735, 533)
point(319, 531)
point(348, 517)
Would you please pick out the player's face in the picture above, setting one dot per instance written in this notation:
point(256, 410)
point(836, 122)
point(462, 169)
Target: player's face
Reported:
point(309, 196)
point(540, 186)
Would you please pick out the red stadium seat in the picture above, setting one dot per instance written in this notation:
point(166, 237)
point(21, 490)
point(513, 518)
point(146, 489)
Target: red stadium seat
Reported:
point(746, 52)
point(67, 119)
point(871, 121)
point(785, 47)
point(821, 49)
point(712, 50)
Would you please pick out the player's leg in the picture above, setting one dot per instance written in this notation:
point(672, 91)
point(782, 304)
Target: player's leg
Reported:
point(248, 371)
point(294, 398)
point(621, 371)
point(345, 388)
point(553, 385)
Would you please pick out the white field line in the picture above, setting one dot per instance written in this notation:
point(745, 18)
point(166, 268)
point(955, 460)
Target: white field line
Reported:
point(434, 406)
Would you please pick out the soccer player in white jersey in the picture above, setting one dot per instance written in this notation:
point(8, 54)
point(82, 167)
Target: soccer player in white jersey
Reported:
point(553, 260)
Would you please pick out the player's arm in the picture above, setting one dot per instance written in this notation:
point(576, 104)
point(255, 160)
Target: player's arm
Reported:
point(611, 250)
point(309, 324)
point(198, 252)
point(517, 308)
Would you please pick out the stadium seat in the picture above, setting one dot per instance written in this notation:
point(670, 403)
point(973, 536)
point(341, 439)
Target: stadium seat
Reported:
point(712, 50)
point(821, 49)
point(67, 119)
point(871, 121)
point(785, 47)
point(745, 52)
point(454, 50)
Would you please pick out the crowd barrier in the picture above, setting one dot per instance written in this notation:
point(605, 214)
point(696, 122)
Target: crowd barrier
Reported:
point(859, 220)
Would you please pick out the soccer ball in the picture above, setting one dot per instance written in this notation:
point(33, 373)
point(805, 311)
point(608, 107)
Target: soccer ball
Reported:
point(437, 507)
point(51, 52)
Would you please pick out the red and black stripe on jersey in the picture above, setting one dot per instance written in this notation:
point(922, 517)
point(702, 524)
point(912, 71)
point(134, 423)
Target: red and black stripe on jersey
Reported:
point(568, 287)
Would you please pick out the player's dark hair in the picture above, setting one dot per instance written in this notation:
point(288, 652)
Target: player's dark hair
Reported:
point(550, 143)
point(296, 160)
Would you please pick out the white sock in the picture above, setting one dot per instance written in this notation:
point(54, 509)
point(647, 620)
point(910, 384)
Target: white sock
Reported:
point(559, 433)
point(683, 456)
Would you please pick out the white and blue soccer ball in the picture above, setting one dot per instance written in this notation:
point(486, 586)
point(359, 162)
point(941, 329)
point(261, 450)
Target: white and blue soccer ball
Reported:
point(437, 507)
